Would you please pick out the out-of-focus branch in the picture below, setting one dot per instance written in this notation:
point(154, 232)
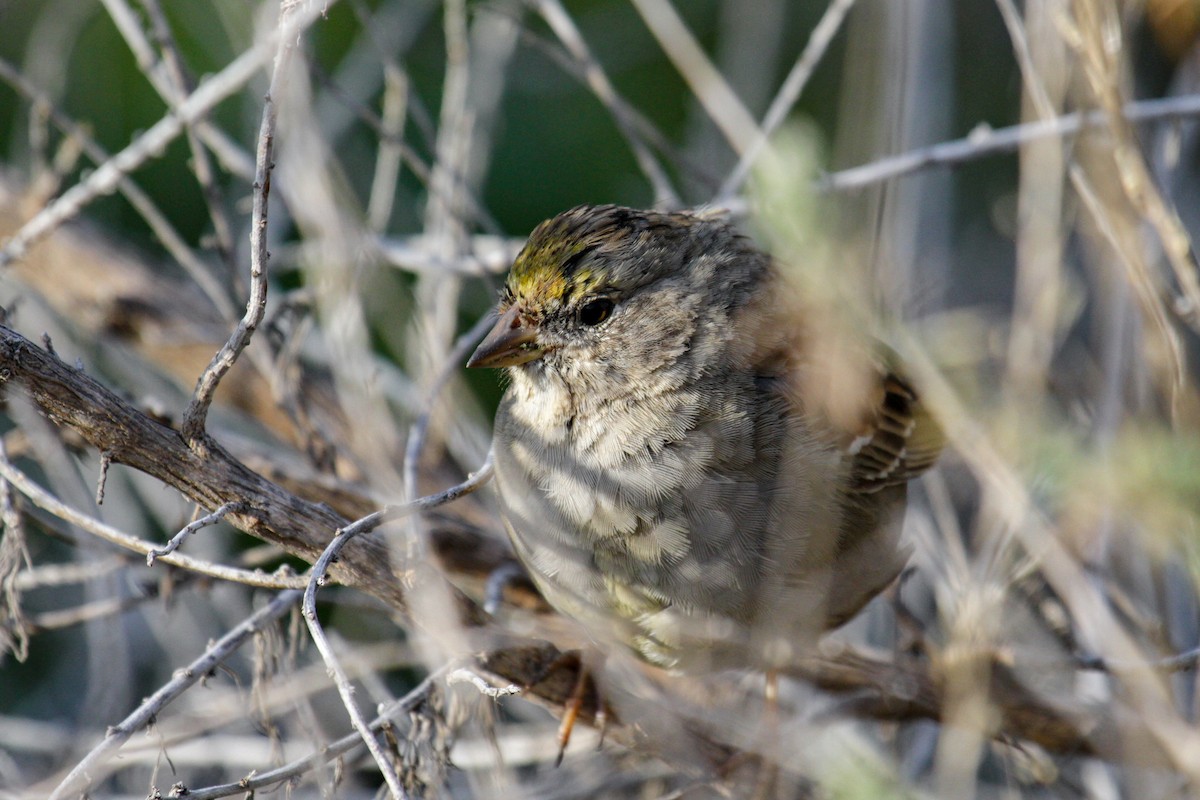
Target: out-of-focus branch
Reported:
point(788, 94)
point(274, 777)
point(149, 144)
point(565, 29)
point(1095, 25)
point(171, 240)
point(722, 104)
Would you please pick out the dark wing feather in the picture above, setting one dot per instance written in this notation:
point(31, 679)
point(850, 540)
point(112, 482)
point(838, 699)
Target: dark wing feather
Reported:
point(899, 443)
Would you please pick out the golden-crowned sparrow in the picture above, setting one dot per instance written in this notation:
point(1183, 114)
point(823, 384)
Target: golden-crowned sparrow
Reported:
point(683, 466)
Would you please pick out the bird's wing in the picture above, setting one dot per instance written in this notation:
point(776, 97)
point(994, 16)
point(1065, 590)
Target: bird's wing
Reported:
point(898, 440)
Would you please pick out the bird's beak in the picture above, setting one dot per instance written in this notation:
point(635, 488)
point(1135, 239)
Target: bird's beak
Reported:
point(511, 341)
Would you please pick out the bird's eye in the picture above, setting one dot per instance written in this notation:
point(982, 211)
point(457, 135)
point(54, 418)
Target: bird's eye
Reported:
point(593, 312)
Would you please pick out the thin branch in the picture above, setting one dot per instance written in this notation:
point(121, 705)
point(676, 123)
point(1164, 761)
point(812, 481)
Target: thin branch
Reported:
point(14, 553)
point(985, 141)
point(390, 155)
point(420, 427)
point(564, 28)
point(87, 771)
point(481, 684)
point(202, 168)
point(1188, 659)
point(102, 476)
point(1139, 276)
point(86, 612)
point(187, 530)
point(72, 398)
point(48, 502)
point(43, 575)
point(154, 140)
point(173, 83)
point(717, 98)
point(155, 219)
point(487, 255)
point(1099, 54)
point(233, 158)
point(1156, 723)
point(318, 577)
point(263, 780)
point(818, 43)
point(638, 121)
point(194, 418)
point(337, 672)
point(474, 481)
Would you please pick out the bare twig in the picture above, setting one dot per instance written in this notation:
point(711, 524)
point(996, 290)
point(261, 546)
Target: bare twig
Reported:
point(390, 155)
point(14, 554)
point(157, 221)
point(102, 476)
point(187, 530)
point(638, 122)
point(474, 481)
point(420, 427)
point(70, 397)
point(1018, 516)
point(1173, 663)
point(170, 79)
point(321, 567)
point(262, 780)
point(42, 575)
point(467, 675)
point(206, 387)
point(87, 771)
point(564, 28)
point(340, 678)
point(108, 175)
point(1039, 278)
point(86, 612)
point(44, 500)
point(1096, 26)
point(201, 164)
point(233, 158)
point(793, 85)
point(721, 103)
point(985, 141)
point(487, 255)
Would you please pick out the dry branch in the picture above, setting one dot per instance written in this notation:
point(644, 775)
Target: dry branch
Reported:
point(72, 398)
point(877, 688)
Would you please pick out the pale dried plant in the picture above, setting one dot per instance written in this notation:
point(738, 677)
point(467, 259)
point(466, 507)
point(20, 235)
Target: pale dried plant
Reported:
point(296, 373)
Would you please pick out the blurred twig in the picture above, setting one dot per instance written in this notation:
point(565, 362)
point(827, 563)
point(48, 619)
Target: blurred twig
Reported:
point(789, 92)
point(330, 751)
point(565, 29)
point(1096, 27)
point(108, 175)
point(723, 105)
point(171, 240)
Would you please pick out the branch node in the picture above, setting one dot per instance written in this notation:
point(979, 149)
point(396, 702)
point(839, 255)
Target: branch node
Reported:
point(102, 478)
